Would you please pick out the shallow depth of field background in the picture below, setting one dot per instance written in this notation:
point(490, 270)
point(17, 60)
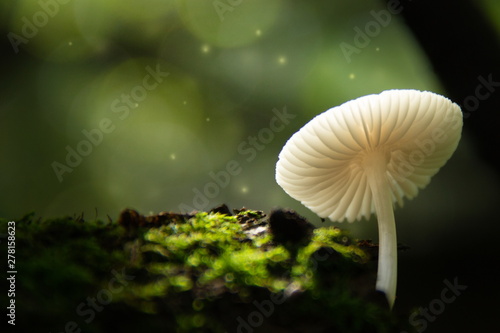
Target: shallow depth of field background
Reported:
point(228, 68)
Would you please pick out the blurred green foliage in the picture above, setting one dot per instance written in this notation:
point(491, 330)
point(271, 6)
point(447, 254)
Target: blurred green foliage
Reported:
point(228, 66)
point(107, 105)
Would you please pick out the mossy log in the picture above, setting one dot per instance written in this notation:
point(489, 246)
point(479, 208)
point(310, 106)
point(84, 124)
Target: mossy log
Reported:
point(217, 271)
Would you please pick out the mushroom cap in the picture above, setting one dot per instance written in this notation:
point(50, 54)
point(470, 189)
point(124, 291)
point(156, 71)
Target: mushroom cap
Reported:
point(322, 165)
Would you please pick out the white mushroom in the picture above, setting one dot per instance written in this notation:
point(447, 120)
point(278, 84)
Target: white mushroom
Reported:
point(364, 155)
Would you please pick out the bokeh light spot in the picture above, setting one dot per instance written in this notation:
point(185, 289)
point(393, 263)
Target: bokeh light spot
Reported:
point(230, 25)
point(282, 60)
point(205, 48)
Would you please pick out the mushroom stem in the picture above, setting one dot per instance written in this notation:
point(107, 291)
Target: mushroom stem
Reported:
point(376, 170)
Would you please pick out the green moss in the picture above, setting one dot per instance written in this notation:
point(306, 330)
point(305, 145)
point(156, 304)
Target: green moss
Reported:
point(195, 273)
point(214, 246)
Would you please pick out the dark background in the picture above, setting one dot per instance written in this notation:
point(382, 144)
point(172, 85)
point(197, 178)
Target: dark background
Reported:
point(229, 65)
